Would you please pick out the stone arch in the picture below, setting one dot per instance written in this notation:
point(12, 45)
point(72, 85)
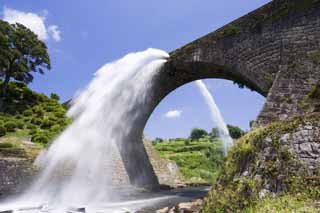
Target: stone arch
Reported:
point(274, 50)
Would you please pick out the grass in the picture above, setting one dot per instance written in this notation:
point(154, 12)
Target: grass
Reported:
point(198, 161)
point(284, 204)
point(16, 145)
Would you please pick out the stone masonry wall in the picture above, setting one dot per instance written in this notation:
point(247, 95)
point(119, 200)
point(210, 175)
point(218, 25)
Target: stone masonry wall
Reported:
point(15, 174)
point(302, 160)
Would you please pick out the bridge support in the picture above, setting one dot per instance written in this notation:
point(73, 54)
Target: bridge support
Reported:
point(274, 50)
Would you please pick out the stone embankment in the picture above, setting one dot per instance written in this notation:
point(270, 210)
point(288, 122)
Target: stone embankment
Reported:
point(17, 169)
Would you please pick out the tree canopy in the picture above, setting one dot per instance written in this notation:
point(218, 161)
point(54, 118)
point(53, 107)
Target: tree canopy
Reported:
point(21, 53)
point(214, 133)
point(197, 133)
point(235, 132)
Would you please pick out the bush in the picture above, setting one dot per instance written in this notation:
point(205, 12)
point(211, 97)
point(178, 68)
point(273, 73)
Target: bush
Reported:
point(18, 116)
point(56, 129)
point(46, 124)
point(36, 121)
point(214, 133)
point(19, 124)
point(27, 112)
point(235, 132)
point(6, 145)
point(196, 134)
point(60, 114)
point(40, 137)
point(31, 126)
point(3, 131)
point(10, 126)
point(38, 110)
point(54, 96)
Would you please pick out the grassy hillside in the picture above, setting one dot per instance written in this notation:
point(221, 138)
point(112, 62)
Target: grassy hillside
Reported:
point(28, 115)
point(199, 161)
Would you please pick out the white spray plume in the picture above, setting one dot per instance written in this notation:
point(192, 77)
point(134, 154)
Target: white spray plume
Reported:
point(216, 116)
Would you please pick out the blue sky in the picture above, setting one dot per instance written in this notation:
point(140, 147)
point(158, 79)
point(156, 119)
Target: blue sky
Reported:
point(84, 35)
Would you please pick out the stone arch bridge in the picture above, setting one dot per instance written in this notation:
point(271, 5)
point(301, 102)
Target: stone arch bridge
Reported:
point(274, 50)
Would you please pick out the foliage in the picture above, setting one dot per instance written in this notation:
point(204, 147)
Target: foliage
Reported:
point(11, 146)
point(157, 140)
point(235, 132)
point(41, 117)
point(315, 57)
point(5, 145)
point(283, 204)
point(21, 52)
point(228, 30)
point(10, 126)
point(198, 161)
point(315, 92)
point(197, 133)
point(214, 133)
point(54, 96)
point(3, 130)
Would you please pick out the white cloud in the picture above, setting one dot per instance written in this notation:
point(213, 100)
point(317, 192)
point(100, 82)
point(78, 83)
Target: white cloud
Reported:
point(173, 114)
point(55, 33)
point(34, 22)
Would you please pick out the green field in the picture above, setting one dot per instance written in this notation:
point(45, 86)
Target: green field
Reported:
point(199, 161)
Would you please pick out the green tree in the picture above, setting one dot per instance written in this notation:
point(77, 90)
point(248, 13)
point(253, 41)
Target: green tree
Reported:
point(214, 133)
point(235, 132)
point(54, 96)
point(197, 133)
point(21, 53)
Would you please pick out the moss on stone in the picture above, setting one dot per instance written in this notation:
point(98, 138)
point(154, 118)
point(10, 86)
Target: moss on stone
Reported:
point(315, 92)
point(228, 30)
point(315, 57)
point(236, 190)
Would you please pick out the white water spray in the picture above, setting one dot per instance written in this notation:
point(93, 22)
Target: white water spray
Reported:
point(216, 116)
point(102, 116)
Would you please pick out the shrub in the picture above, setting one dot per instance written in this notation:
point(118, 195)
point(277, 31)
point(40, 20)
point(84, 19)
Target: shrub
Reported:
point(60, 113)
point(235, 132)
point(18, 116)
point(19, 124)
point(56, 128)
point(27, 112)
point(3, 131)
point(54, 96)
point(197, 133)
point(46, 123)
point(10, 126)
point(214, 133)
point(36, 121)
point(40, 137)
point(6, 145)
point(38, 110)
point(26, 119)
point(31, 126)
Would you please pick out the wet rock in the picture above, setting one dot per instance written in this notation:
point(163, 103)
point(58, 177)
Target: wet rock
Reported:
point(188, 207)
point(164, 210)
